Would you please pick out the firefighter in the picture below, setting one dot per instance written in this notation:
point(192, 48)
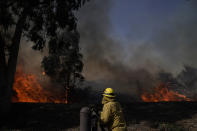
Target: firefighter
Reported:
point(112, 115)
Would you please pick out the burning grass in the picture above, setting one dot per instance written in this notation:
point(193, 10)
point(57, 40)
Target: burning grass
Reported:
point(163, 93)
point(27, 89)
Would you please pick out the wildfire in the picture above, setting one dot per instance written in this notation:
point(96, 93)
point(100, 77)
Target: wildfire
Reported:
point(43, 73)
point(66, 101)
point(162, 93)
point(27, 89)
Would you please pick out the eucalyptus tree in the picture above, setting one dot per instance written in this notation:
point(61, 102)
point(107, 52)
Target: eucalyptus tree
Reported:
point(39, 21)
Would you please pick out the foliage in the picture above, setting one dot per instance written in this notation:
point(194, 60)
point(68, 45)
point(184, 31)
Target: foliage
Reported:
point(44, 18)
point(43, 21)
point(64, 63)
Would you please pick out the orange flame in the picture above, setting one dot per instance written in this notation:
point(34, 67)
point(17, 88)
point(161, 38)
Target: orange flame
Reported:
point(43, 73)
point(27, 89)
point(162, 93)
point(66, 101)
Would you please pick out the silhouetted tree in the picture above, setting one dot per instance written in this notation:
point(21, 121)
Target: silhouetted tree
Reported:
point(39, 21)
point(64, 63)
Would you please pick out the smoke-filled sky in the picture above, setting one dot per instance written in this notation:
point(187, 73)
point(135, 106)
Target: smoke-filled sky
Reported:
point(165, 30)
point(121, 38)
point(126, 42)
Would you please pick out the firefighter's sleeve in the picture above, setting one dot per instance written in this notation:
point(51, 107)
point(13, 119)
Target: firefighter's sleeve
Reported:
point(105, 114)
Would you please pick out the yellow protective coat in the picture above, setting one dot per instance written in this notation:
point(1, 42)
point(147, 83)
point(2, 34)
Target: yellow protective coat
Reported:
point(112, 115)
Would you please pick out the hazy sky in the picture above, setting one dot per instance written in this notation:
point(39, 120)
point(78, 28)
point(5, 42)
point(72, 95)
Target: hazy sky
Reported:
point(140, 33)
point(123, 40)
point(133, 19)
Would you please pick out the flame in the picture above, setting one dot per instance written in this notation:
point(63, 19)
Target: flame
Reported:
point(27, 89)
point(162, 93)
point(43, 73)
point(66, 101)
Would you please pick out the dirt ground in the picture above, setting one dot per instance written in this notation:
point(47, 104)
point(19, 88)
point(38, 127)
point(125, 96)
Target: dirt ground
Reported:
point(163, 116)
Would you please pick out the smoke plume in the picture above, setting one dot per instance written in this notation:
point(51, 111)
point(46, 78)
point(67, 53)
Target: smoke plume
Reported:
point(132, 65)
point(109, 63)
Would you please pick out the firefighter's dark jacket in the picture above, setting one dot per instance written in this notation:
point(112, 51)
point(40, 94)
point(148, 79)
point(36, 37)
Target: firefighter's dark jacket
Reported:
point(112, 115)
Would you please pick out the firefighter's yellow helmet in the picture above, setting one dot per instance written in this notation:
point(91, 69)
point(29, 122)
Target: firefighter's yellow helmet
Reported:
point(109, 92)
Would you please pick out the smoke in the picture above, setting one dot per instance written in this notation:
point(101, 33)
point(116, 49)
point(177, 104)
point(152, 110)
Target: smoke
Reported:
point(173, 44)
point(128, 65)
point(29, 59)
point(103, 55)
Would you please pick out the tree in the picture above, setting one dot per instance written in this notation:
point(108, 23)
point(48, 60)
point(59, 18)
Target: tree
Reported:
point(40, 21)
point(64, 63)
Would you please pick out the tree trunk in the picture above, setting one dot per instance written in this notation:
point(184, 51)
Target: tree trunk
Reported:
point(67, 88)
point(12, 62)
point(3, 69)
